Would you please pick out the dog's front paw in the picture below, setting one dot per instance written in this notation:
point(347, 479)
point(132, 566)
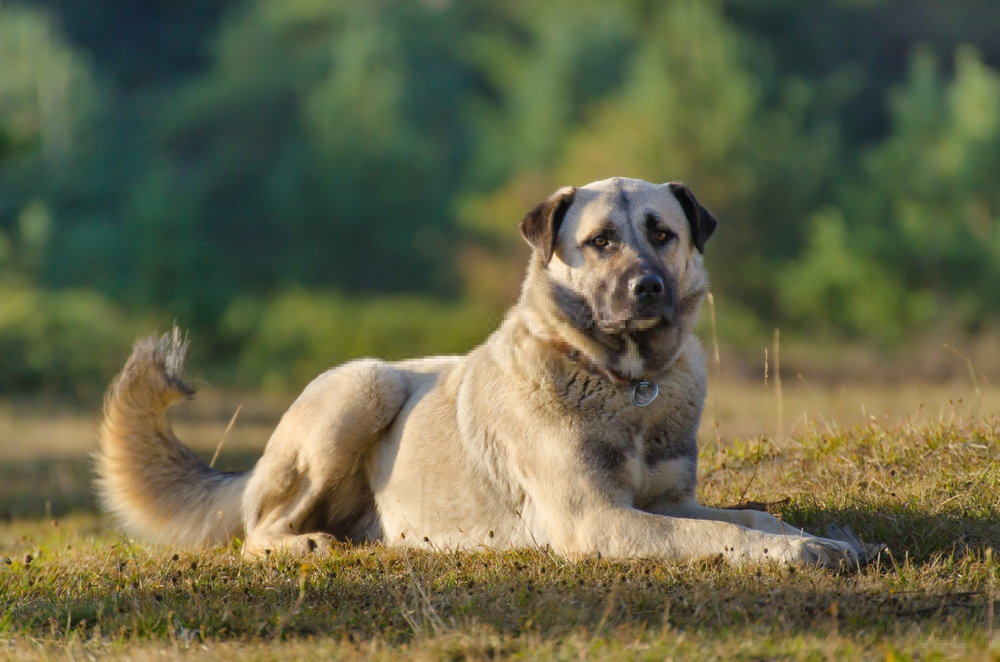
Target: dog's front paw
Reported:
point(821, 552)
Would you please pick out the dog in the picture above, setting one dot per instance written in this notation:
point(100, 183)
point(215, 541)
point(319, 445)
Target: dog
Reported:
point(572, 426)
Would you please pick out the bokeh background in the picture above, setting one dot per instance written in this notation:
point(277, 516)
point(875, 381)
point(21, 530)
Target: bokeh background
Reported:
point(298, 182)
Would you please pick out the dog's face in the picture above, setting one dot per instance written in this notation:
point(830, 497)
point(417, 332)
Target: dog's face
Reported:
point(622, 259)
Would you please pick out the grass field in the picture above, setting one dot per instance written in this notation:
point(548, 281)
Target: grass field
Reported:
point(917, 468)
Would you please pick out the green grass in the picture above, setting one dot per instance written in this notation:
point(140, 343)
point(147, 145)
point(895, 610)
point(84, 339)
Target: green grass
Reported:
point(74, 586)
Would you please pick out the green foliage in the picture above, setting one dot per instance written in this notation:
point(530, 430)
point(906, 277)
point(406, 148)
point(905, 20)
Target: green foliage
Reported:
point(831, 289)
point(179, 159)
point(289, 339)
point(932, 184)
point(690, 106)
point(46, 87)
point(318, 149)
point(547, 65)
point(48, 98)
point(69, 342)
point(684, 103)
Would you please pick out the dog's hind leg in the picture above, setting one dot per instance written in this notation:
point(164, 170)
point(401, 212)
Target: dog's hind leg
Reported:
point(309, 486)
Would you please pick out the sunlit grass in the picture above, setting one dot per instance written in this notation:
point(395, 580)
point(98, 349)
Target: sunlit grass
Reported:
point(926, 486)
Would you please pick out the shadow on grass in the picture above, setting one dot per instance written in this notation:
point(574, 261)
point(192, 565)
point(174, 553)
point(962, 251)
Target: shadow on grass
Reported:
point(909, 533)
point(58, 487)
point(396, 595)
point(367, 592)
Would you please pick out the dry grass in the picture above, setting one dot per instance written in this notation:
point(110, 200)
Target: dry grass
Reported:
point(924, 484)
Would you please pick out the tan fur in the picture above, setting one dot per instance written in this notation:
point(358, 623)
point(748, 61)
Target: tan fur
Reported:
point(157, 486)
point(518, 443)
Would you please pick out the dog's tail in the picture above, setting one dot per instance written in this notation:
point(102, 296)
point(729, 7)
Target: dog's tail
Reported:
point(153, 484)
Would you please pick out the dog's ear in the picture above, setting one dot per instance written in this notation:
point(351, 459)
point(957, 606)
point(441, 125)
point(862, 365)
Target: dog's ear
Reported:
point(701, 220)
point(540, 226)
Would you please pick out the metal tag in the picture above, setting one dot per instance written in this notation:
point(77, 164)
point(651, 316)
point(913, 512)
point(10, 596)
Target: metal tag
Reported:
point(641, 395)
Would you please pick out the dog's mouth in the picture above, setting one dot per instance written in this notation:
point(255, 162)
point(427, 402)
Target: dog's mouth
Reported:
point(611, 320)
point(624, 316)
point(639, 323)
point(647, 323)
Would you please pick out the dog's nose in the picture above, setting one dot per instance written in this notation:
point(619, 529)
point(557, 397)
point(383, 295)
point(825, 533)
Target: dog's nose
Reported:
point(649, 286)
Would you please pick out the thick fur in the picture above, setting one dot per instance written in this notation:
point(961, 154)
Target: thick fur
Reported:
point(158, 488)
point(530, 439)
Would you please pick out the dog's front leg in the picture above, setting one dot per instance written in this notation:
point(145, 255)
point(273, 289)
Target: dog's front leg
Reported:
point(623, 532)
point(752, 519)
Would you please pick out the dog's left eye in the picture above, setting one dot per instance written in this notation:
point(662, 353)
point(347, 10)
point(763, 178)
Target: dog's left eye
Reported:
point(662, 236)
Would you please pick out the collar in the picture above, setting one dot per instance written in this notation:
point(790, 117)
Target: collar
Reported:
point(643, 392)
point(584, 361)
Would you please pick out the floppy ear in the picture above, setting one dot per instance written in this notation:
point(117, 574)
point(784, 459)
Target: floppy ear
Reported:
point(701, 220)
point(540, 226)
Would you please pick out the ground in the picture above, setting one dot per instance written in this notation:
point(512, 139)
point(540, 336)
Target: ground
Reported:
point(912, 470)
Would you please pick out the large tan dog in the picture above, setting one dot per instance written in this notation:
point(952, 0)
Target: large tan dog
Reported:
point(573, 425)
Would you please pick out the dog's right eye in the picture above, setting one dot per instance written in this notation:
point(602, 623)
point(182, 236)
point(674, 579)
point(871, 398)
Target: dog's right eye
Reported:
point(600, 241)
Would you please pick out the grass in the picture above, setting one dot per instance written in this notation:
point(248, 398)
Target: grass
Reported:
point(925, 485)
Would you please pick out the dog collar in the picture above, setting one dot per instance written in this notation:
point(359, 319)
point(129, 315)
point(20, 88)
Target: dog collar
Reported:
point(643, 392)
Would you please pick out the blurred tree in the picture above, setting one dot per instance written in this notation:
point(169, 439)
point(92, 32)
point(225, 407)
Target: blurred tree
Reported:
point(689, 105)
point(320, 149)
point(860, 48)
point(546, 65)
point(929, 196)
point(206, 158)
point(919, 232)
point(67, 342)
point(139, 45)
point(48, 97)
point(831, 290)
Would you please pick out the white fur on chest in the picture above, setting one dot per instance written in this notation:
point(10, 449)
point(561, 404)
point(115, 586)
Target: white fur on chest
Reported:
point(632, 362)
point(667, 479)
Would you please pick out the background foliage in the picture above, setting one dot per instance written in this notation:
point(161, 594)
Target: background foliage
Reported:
point(300, 182)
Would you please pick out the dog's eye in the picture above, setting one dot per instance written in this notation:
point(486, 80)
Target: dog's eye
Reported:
point(600, 241)
point(662, 236)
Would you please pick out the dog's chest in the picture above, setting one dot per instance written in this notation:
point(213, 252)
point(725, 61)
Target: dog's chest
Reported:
point(649, 461)
point(665, 465)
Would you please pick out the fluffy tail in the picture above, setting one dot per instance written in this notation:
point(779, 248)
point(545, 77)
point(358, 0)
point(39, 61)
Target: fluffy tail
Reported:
point(154, 485)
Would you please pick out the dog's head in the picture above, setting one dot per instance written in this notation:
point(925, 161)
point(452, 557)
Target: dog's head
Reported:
point(619, 262)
